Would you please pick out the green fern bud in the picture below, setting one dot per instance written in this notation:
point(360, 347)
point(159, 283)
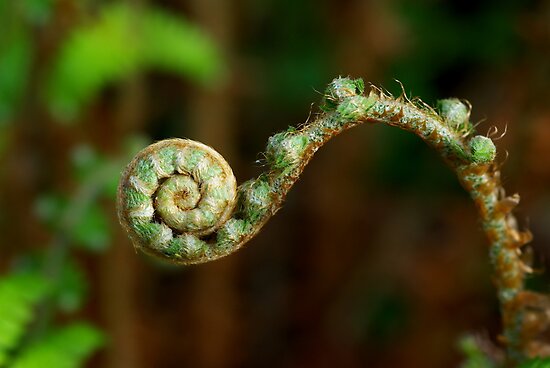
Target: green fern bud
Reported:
point(354, 107)
point(285, 149)
point(482, 149)
point(455, 113)
point(340, 89)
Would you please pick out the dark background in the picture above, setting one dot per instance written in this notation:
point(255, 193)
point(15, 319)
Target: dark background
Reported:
point(376, 259)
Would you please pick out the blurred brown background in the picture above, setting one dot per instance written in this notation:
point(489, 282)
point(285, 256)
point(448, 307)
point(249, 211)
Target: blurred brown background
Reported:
point(376, 259)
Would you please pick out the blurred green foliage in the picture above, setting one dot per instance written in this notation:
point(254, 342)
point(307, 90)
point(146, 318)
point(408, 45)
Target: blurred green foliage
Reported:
point(15, 57)
point(537, 363)
point(99, 52)
point(121, 42)
point(67, 346)
point(474, 356)
point(14, 68)
point(68, 291)
point(19, 294)
point(51, 280)
point(79, 216)
point(91, 230)
point(18, 18)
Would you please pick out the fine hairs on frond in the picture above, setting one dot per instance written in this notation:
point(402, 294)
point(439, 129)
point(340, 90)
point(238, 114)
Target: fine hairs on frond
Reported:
point(493, 131)
point(379, 92)
point(214, 223)
point(403, 96)
point(501, 134)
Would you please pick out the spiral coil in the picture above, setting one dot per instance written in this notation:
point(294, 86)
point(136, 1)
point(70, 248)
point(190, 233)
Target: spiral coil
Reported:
point(172, 195)
point(178, 199)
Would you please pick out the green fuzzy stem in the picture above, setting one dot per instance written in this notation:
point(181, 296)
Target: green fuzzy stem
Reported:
point(344, 106)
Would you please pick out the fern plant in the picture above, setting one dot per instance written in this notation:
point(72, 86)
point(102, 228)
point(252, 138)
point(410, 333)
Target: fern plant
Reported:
point(177, 198)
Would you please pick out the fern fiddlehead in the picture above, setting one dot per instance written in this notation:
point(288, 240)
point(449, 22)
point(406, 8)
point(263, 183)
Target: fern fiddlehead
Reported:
point(173, 193)
point(176, 233)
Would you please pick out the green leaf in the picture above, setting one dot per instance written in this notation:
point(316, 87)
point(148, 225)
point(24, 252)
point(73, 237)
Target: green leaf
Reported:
point(537, 363)
point(121, 42)
point(69, 289)
point(172, 44)
point(68, 347)
point(18, 296)
point(94, 55)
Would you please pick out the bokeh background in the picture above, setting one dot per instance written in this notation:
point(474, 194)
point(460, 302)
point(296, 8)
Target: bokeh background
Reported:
point(376, 259)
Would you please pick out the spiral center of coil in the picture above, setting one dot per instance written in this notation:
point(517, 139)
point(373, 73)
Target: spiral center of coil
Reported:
point(178, 202)
point(180, 191)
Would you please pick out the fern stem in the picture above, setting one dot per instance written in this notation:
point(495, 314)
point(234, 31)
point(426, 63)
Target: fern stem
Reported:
point(345, 106)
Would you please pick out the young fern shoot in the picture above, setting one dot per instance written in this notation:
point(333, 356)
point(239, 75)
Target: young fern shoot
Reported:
point(178, 199)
